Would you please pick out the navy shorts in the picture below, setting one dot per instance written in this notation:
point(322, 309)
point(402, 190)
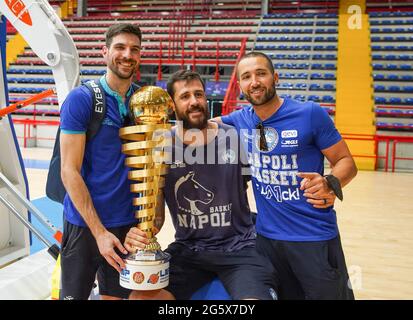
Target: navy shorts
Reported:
point(244, 273)
point(81, 263)
point(308, 270)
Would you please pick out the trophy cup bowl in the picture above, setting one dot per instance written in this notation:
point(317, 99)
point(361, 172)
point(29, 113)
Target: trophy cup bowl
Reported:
point(148, 268)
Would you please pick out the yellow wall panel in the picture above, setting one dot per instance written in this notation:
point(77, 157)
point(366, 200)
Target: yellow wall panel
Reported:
point(354, 85)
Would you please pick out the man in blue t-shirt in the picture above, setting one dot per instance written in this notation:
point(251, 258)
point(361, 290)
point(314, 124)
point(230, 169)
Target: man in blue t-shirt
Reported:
point(98, 209)
point(206, 195)
point(287, 142)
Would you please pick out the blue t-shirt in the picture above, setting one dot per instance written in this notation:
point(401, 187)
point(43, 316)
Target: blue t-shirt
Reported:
point(295, 134)
point(103, 168)
point(206, 195)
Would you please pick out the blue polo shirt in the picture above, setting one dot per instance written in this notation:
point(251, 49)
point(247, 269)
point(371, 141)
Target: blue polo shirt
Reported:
point(103, 168)
point(295, 136)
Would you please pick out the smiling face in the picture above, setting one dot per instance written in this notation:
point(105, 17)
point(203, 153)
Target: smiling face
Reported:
point(256, 80)
point(190, 104)
point(123, 55)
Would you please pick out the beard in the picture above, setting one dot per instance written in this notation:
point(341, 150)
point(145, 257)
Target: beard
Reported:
point(267, 96)
point(122, 75)
point(199, 123)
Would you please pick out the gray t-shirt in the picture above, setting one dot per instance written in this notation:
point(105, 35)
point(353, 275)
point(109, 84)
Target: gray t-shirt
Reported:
point(206, 194)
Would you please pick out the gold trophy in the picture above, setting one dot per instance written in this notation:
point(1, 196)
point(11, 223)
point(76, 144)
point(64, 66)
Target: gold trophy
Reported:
point(148, 268)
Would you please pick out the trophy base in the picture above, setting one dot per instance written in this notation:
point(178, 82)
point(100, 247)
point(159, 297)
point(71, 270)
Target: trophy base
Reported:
point(146, 270)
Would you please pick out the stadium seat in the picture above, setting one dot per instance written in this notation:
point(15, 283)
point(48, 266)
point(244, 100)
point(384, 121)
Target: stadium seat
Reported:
point(314, 86)
point(381, 125)
point(393, 77)
point(314, 98)
point(330, 66)
point(285, 95)
point(395, 100)
point(316, 76)
point(327, 99)
point(409, 101)
point(394, 88)
point(381, 112)
point(300, 97)
point(406, 77)
point(285, 85)
point(380, 100)
point(325, 30)
point(396, 113)
point(403, 48)
point(329, 76)
point(402, 39)
point(398, 125)
point(328, 86)
point(378, 77)
point(405, 57)
point(300, 86)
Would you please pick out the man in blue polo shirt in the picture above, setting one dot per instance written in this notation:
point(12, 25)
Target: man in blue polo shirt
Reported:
point(98, 208)
point(287, 142)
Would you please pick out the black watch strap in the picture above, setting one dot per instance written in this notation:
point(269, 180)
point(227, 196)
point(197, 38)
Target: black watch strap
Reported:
point(334, 184)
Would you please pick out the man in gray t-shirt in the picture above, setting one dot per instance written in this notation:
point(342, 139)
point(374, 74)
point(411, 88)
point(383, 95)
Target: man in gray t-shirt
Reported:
point(205, 191)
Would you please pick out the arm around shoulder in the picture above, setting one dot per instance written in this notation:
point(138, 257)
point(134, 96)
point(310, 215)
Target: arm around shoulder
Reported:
point(217, 119)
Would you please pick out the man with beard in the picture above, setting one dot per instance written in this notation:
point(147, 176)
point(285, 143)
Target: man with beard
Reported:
point(206, 195)
point(98, 209)
point(287, 142)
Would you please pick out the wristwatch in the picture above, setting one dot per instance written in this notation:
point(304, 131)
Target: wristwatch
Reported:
point(334, 184)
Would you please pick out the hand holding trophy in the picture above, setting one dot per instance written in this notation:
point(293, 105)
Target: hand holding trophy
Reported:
point(148, 268)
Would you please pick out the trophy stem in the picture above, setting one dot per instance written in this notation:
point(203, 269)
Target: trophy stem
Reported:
point(154, 179)
point(146, 269)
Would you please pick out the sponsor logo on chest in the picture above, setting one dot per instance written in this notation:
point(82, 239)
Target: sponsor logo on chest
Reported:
point(289, 138)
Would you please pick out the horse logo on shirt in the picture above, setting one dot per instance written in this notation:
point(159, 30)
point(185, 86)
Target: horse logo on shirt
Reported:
point(189, 192)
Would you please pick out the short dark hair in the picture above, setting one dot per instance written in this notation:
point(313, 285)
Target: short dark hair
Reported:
point(119, 28)
point(257, 54)
point(182, 75)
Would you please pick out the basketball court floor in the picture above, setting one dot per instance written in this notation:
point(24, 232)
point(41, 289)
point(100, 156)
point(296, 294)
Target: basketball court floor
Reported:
point(375, 220)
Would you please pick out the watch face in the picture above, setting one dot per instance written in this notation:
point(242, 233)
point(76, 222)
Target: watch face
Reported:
point(332, 180)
